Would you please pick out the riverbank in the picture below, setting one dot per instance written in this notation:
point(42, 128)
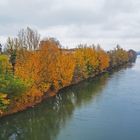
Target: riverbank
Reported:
point(48, 94)
point(29, 76)
point(51, 93)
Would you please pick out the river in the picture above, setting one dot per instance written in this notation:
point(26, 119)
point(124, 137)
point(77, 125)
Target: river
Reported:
point(103, 108)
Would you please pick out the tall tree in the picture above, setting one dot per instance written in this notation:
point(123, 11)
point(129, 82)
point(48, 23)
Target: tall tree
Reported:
point(29, 39)
point(12, 46)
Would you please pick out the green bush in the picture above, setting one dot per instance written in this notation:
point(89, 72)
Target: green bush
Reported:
point(12, 86)
point(4, 64)
point(4, 102)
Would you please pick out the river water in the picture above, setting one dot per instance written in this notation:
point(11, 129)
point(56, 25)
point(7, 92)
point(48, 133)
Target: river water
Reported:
point(104, 108)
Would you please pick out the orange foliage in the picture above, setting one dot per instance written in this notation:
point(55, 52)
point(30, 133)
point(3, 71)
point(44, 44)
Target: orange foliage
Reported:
point(58, 68)
point(86, 61)
point(103, 58)
point(65, 68)
point(51, 67)
point(46, 67)
point(28, 67)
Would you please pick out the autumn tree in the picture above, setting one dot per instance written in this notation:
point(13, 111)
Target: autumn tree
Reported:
point(4, 65)
point(65, 68)
point(12, 46)
point(86, 60)
point(47, 67)
point(39, 66)
point(103, 59)
point(118, 57)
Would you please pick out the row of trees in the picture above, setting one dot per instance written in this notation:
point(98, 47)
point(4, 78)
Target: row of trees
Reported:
point(38, 66)
point(118, 57)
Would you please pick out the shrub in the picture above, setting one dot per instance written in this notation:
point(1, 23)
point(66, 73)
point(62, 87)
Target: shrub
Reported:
point(4, 64)
point(13, 86)
point(4, 102)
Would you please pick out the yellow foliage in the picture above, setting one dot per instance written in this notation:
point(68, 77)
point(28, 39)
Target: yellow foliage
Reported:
point(65, 69)
point(103, 58)
point(51, 67)
point(4, 64)
point(4, 102)
point(86, 61)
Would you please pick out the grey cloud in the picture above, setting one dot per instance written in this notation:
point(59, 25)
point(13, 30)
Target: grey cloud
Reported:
point(106, 21)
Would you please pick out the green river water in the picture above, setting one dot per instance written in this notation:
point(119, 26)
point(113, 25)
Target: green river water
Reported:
point(104, 108)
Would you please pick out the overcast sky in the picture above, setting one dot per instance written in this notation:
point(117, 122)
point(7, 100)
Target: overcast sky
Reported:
point(107, 22)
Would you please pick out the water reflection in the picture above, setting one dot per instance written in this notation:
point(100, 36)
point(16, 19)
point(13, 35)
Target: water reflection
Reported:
point(46, 120)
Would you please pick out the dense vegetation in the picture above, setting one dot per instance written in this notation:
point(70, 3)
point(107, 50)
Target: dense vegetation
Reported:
point(30, 68)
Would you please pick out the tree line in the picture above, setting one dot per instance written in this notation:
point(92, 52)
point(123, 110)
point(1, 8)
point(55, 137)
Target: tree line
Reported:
point(30, 67)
